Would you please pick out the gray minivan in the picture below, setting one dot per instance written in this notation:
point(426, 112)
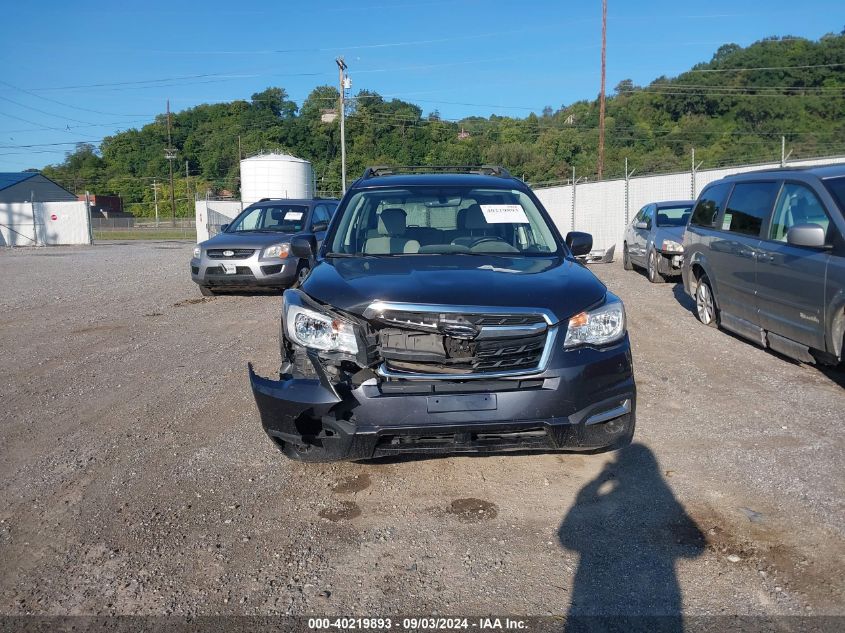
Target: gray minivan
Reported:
point(765, 259)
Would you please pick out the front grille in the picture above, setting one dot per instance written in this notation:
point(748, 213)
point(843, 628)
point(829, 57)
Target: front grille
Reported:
point(415, 346)
point(239, 253)
point(483, 439)
point(429, 320)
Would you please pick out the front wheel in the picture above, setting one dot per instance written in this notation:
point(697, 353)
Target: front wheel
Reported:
point(654, 275)
point(302, 274)
point(705, 304)
point(626, 258)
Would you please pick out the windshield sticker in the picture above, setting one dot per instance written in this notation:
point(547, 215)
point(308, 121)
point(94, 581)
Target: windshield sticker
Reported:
point(293, 215)
point(504, 214)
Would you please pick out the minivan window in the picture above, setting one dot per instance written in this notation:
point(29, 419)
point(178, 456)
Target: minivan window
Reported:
point(836, 187)
point(709, 204)
point(749, 206)
point(431, 220)
point(797, 204)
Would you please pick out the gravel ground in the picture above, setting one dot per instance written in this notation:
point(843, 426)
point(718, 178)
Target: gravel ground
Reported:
point(135, 477)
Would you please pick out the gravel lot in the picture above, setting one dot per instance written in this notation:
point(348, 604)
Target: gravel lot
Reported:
point(135, 477)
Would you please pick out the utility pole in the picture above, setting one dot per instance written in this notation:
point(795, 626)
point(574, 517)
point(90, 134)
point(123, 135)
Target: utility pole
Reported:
point(601, 93)
point(187, 182)
point(170, 155)
point(155, 197)
point(341, 69)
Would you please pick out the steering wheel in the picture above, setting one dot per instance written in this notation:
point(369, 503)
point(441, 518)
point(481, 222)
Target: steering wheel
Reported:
point(486, 238)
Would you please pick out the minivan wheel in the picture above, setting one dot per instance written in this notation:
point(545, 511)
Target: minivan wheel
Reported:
point(654, 275)
point(705, 304)
point(626, 259)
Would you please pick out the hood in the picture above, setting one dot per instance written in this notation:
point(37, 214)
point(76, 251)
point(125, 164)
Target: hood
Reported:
point(246, 240)
point(675, 233)
point(562, 286)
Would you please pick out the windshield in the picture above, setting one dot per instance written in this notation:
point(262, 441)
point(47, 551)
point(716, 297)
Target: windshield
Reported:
point(673, 216)
point(441, 220)
point(279, 218)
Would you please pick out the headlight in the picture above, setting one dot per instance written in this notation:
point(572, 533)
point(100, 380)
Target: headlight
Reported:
point(671, 246)
point(277, 250)
point(197, 252)
point(596, 327)
point(319, 331)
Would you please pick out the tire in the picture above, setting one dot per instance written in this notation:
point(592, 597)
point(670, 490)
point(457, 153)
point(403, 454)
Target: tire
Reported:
point(652, 269)
point(626, 259)
point(705, 303)
point(301, 274)
point(205, 291)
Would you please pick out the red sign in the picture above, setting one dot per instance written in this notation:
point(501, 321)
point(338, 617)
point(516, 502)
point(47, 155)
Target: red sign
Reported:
point(54, 217)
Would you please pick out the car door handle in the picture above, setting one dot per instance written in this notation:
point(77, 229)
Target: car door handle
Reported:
point(765, 258)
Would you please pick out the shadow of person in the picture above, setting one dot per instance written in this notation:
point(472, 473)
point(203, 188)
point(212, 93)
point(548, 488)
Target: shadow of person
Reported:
point(628, 529)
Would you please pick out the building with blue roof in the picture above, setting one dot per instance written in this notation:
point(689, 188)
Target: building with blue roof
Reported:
point(31, 186)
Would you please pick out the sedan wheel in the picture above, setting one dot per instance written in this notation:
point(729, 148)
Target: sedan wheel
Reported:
point(654, 275)
point(302, 275)
point(705, 305)
point(626, 259)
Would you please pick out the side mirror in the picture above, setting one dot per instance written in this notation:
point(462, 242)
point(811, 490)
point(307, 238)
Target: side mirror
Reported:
point(810, 235)
point(223, 228)
point(579, 243)
point(303, 246)
point(320, 226)
point(640, 225)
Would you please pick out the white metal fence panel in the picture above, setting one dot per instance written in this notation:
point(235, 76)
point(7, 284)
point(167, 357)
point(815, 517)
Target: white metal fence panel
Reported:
point(210, 214)
point(40, 223)
point(603, 208)
point(17, 225)
point(558, 202)
point(63, 222)
point(600, 211)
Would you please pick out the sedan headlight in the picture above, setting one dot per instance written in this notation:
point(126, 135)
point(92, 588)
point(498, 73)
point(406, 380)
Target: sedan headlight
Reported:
point(277, 250)
point(197, 251)
point(601, 326)
point(671, 246)
point(316, 330)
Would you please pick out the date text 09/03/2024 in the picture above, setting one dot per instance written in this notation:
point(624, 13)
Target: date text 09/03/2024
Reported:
point(416, 624)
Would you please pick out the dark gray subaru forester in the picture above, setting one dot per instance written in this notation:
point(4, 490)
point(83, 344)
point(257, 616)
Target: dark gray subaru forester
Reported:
point(445, 314)
point(764, 257)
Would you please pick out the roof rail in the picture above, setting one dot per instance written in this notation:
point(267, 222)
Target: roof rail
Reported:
point(484, 170)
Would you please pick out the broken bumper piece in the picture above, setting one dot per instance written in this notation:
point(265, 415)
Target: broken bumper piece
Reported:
point(568, 408)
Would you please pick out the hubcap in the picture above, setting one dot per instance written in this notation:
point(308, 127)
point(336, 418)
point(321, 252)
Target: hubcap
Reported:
point(303, 274)
point(651, 265)
point(704, 303)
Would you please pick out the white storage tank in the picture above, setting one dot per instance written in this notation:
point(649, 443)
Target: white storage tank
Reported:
point(276, 176)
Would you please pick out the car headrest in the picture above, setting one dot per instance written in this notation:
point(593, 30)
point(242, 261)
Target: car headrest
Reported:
point(475, 218)
point(277, 215)
point(392, 222)
point(662, 218)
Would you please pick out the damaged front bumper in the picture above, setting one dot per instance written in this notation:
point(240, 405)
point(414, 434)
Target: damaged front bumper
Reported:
point(585, 400)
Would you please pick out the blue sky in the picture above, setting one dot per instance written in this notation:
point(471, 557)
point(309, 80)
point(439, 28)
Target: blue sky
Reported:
point(78, 71)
